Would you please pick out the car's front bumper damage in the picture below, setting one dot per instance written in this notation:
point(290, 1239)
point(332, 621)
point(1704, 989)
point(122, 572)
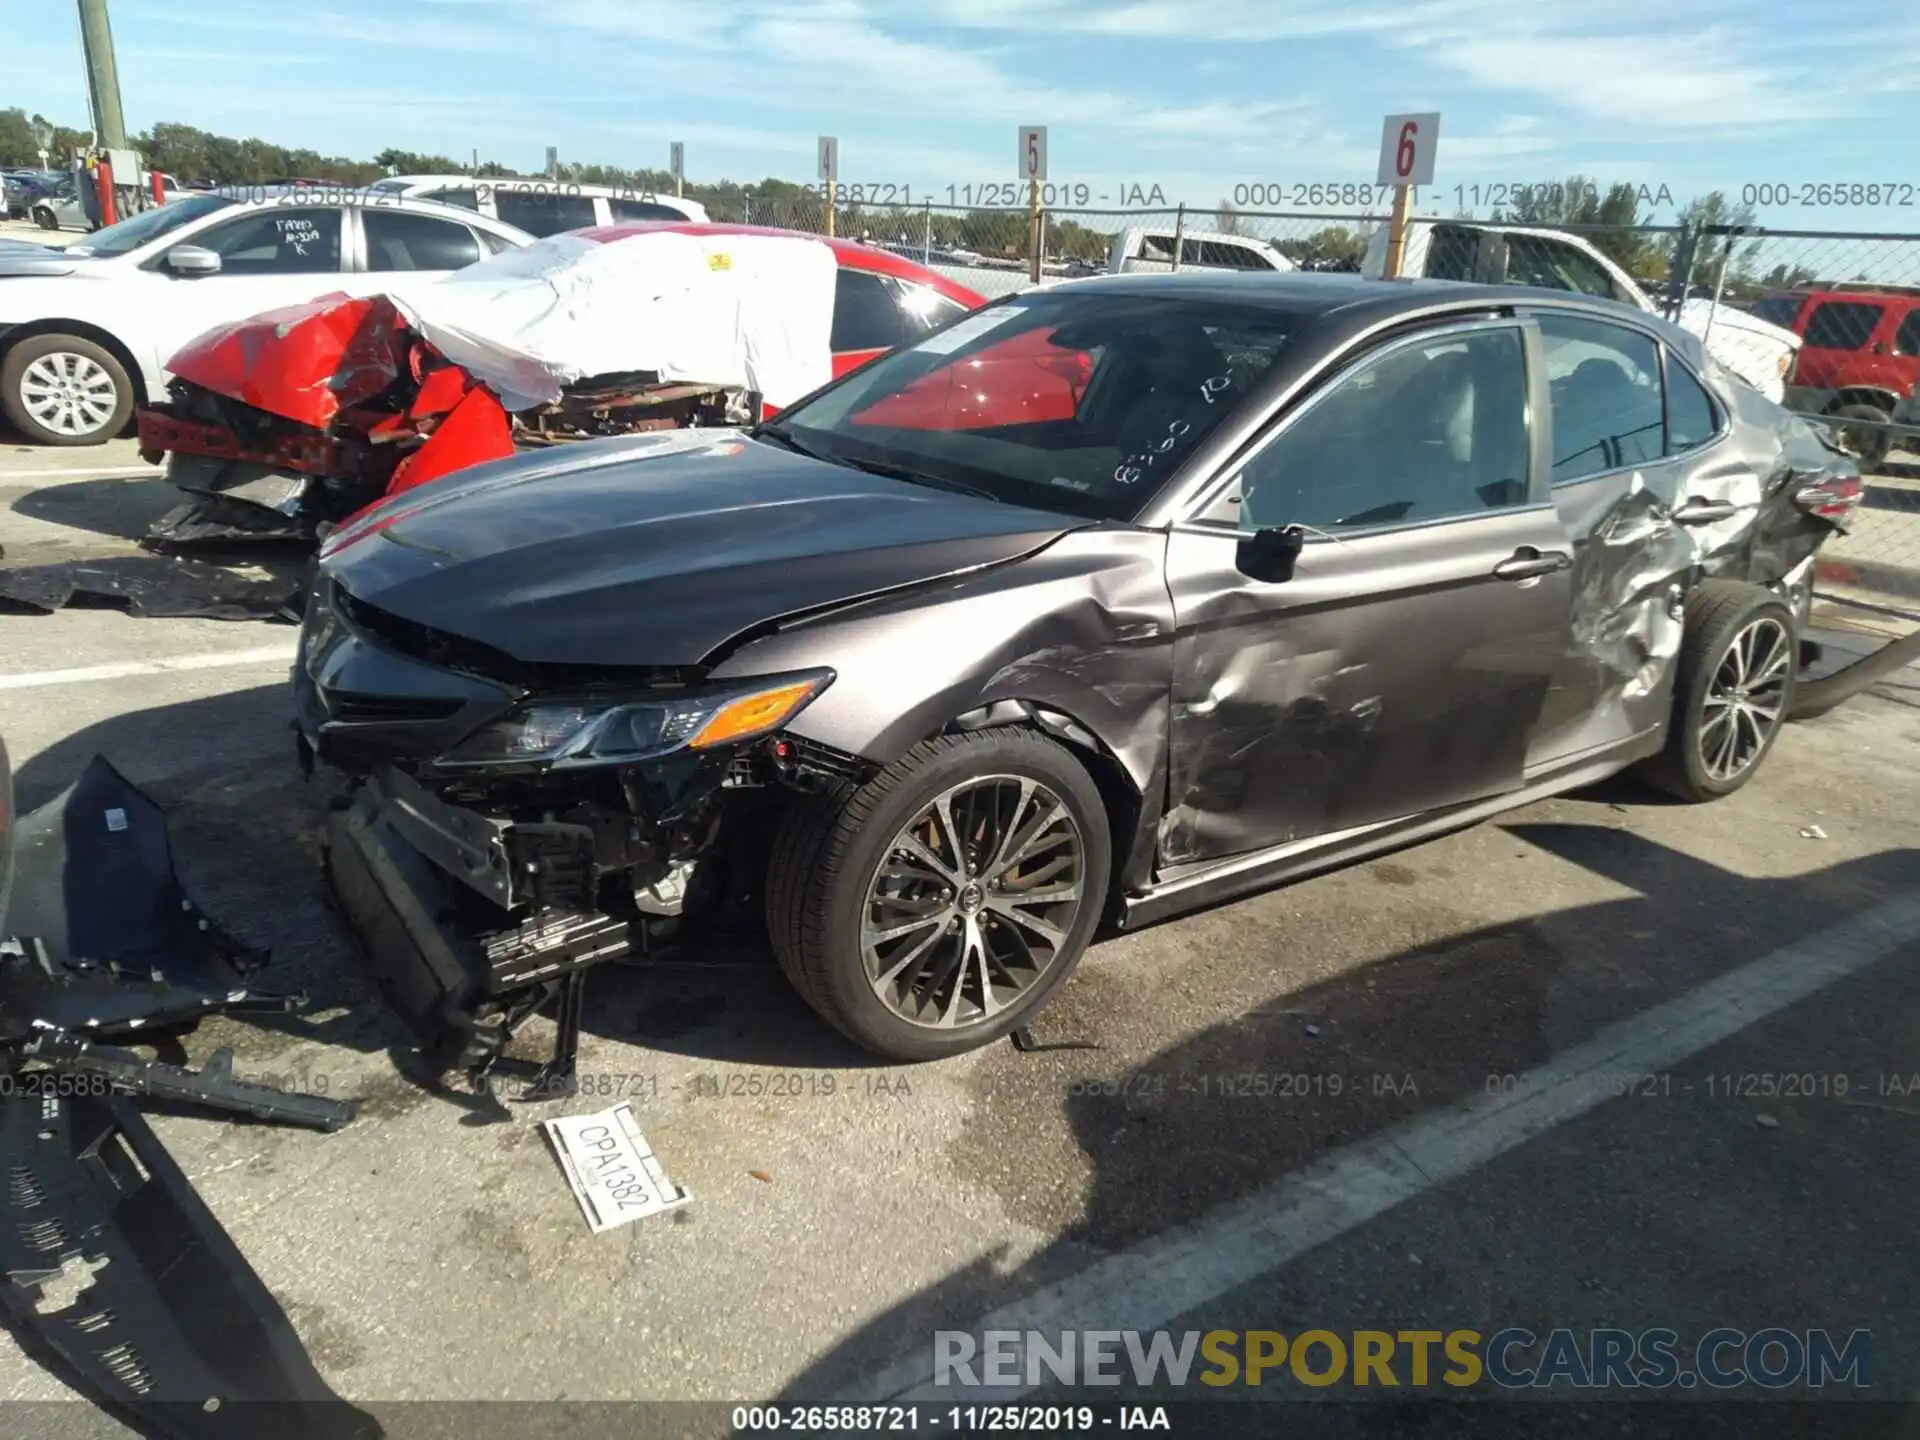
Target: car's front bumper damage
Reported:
point(390, 858)
point(480, 895)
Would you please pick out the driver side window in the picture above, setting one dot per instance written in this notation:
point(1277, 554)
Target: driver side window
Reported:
point(1425, 432)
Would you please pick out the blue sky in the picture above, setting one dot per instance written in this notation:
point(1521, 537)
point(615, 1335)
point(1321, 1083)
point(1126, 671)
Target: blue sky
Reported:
point(1196, 96)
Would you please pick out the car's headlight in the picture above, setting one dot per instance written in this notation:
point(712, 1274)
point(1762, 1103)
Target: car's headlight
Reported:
point(552, 734)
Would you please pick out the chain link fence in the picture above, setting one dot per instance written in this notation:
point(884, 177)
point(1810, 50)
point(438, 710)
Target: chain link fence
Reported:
point(1850, 300)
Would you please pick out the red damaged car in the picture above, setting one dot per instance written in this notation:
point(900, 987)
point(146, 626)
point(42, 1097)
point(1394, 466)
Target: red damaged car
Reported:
point(298, 418)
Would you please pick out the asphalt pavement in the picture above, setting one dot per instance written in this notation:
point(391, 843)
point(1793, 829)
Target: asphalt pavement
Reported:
point(1609, 1061)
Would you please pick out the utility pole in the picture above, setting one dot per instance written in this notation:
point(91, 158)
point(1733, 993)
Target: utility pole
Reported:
point(103, 78)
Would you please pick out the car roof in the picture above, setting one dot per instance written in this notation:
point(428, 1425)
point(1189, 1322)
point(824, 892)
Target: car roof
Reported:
point(1356, 303)
point(261, 197)
point(850, 254)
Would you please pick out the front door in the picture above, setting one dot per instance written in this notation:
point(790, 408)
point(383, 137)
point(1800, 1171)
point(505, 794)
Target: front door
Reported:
point(1402, 667)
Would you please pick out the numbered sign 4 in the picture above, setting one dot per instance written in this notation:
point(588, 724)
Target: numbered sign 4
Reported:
point(1408, 144)
point(829, 158)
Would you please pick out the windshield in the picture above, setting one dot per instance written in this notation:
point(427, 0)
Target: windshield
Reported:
point(1080, 402)
point(131, 234)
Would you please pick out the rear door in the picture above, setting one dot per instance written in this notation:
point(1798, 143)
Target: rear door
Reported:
point(1404, 665)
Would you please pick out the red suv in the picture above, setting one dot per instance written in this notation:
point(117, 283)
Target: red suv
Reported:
point(1860, 356)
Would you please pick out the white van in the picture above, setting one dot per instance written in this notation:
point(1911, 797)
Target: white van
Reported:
point(544, 207)
point(1756, 350)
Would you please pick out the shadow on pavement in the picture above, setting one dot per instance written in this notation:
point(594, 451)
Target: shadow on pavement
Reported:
point(1159, 1139)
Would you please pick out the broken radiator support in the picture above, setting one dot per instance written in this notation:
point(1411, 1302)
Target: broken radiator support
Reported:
point(464, 997)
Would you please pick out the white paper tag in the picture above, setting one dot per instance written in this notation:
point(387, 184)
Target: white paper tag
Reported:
point(116, 819)
point(614, 1173)
point(971, 328)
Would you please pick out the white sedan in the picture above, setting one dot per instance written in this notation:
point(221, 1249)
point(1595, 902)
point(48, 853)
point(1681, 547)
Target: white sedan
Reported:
point(86, 333)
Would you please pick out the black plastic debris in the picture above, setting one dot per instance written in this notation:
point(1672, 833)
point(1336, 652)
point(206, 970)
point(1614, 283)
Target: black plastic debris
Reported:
point(113, 1272)
point(116, 1275)
point(159, 586)
point(109, 939)
point(213, 521)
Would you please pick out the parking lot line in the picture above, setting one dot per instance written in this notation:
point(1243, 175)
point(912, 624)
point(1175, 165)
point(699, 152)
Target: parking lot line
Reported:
point(120, 670)
point(1151, 1285)
point(131, 468)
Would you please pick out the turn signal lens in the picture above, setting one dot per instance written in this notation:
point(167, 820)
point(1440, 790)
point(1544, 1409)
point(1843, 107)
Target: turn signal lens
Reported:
point(754, 714)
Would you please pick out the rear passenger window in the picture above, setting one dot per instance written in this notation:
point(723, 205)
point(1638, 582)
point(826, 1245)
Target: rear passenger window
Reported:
point(1906, 340)
point(466, 199)
point(1604, 384)
point(543, 213)
point(1691, 418)
point(400, 241)
point(865, 314)
point(643, 210)
point(1841, 325)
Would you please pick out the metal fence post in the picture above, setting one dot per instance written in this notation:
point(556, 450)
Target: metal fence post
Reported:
point(1179, 233)
point(926, 235)
point(1680, 271)
point(747, 200)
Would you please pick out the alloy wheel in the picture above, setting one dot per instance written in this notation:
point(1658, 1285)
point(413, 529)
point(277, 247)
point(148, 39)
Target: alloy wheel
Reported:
point(973, 901)
point(69, 393)
point(1742, 706)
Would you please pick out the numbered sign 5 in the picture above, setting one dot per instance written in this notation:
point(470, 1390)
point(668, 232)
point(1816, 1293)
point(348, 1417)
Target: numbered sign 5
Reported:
point(1408, 144)
point(829, 158)
point(1033, 152)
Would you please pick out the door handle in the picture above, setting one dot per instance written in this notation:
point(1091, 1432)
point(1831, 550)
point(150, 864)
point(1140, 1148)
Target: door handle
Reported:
point(1705, 512)
point(1527, 563)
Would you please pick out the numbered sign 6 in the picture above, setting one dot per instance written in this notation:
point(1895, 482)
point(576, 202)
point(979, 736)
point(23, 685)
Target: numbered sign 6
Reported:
point(1408, 144)
point(1033, 152)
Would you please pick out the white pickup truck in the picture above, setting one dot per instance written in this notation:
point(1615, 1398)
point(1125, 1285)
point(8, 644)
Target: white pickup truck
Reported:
point(1138, 249)
point(1759, 352)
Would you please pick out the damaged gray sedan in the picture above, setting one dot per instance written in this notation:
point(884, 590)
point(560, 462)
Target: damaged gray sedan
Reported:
point(1106, 602)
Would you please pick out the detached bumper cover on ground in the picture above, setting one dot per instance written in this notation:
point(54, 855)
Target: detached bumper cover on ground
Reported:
point(112, 1270)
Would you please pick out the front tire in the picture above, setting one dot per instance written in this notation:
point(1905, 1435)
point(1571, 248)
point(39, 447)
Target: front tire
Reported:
point(63, 390)
point(936, 907)
point(1733, 685)
point(45, 218)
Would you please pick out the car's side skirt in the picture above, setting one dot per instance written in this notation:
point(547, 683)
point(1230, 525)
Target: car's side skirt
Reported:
point(1238, 875)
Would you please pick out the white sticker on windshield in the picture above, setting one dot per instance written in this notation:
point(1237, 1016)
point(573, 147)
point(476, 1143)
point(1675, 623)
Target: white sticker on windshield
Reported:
point(971, 328)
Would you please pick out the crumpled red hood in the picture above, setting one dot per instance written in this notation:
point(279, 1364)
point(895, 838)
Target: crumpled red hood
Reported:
point(302, 362)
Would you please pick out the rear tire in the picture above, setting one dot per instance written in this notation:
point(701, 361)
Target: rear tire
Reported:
point(63, 390)
point(878, 891)
point(1869, 448)
point(45, 218)
point(1733, 685)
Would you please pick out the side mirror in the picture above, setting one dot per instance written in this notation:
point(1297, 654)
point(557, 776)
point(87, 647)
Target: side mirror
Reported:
point(193, 260)
point(1269, 555)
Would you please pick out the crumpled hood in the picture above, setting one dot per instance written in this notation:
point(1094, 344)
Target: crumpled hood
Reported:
point(656, 551)
point(302, 362)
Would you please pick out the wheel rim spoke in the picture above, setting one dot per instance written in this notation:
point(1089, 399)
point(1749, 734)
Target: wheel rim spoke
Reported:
point(973, 901)
point(69, 393)
point(1746, 698)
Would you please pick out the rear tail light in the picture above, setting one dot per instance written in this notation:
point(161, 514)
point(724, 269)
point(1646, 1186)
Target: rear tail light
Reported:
point(1832, 498)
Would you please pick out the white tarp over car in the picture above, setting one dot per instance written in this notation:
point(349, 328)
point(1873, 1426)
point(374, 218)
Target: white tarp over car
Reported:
point(748, 311)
